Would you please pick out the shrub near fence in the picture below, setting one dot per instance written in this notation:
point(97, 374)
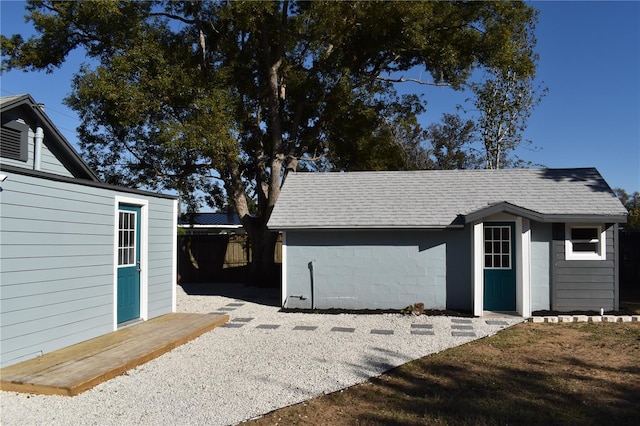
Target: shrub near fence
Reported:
point(216, 258)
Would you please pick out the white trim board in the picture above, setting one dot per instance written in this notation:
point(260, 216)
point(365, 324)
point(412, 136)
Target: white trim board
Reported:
point(144, 255)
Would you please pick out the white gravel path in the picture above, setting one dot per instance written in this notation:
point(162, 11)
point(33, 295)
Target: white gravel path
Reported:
point(249, 368)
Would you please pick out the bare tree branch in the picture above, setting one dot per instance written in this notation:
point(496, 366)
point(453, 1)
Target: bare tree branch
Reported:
point(172, 16)
point(413, 80)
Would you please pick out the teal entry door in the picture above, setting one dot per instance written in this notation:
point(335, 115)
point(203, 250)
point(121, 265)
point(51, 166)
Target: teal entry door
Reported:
point(128, 263)
point(499, 267)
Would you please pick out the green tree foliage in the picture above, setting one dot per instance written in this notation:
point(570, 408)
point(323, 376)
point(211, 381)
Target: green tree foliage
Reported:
point(632, 203)
point(225, 97)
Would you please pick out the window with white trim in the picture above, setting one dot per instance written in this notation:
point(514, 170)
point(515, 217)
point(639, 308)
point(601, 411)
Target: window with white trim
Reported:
point(585, 242)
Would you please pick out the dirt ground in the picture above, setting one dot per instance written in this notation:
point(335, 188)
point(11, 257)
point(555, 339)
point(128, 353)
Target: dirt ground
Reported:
point(538, 374)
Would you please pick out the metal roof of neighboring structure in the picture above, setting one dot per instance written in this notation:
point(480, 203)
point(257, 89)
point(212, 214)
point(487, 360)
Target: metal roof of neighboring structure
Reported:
point(442, 198)
point(210, 219)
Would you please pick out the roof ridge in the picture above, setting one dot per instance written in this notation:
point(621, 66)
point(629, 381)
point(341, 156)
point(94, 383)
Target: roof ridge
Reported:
point(356, 172)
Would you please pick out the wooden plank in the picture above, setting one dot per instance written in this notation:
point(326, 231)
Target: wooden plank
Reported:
point(75, 369)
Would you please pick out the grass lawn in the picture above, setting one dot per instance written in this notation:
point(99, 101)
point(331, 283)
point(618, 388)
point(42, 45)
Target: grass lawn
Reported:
point(529, 374)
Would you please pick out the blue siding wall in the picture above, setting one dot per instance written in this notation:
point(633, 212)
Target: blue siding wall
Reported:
point(56, 267)
point(50, 164)
point(378, 269)
point(161, 254)
point(540, 266)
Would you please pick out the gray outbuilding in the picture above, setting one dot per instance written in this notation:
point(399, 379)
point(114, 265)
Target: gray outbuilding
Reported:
point(79, 258)
point(519, 240)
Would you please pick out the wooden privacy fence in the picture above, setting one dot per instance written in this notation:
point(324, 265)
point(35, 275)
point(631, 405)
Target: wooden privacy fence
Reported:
point(216, 258)
point(630, 260)
point(239, 253)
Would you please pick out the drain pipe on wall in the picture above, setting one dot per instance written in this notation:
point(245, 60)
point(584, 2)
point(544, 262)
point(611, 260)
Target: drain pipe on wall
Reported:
point(37, 154)
point(310, 265)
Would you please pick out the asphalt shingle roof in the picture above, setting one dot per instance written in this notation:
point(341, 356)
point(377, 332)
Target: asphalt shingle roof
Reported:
point(8, 99)
point(437, 198)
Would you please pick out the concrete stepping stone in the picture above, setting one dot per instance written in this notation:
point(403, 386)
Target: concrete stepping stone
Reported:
point(463, 334)
point(461, 321)
point(242, 320)
point(343, 329)
point(305, 327)
point(268, 326)
point(423, 332)
point(461, 327)
point(233, 325)
point(496, 322)
point(422, 326)
point(384, 332)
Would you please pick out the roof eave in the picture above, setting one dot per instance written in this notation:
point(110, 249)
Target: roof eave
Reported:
point(501, 207)
point(506, 207)
point(364, 227)
point(189, 226)
point(584, 218)
point(82, 182)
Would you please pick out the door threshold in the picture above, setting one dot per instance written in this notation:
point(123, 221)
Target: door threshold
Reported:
point(129, 323)
point(499, 314)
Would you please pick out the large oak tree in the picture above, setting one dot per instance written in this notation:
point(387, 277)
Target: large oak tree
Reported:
point(222, 98)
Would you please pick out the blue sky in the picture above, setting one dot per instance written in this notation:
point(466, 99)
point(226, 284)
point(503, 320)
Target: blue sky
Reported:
point(589, 60)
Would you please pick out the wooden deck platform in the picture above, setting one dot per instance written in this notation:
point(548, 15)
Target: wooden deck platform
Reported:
point(75, 369)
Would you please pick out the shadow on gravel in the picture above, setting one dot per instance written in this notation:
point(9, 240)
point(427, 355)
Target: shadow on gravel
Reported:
point(258, 295)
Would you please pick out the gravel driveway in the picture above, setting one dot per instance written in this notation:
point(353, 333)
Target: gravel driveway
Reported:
point(261, 360)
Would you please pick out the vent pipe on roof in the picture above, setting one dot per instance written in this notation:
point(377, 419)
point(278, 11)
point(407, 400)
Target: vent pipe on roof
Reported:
point(37, 149)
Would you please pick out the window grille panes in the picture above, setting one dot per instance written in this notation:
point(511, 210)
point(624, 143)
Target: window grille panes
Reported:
point(585, 240)
point(126, 238)
point(497, 247)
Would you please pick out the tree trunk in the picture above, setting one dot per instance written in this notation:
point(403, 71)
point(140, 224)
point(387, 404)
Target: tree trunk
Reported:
point(262, 269)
